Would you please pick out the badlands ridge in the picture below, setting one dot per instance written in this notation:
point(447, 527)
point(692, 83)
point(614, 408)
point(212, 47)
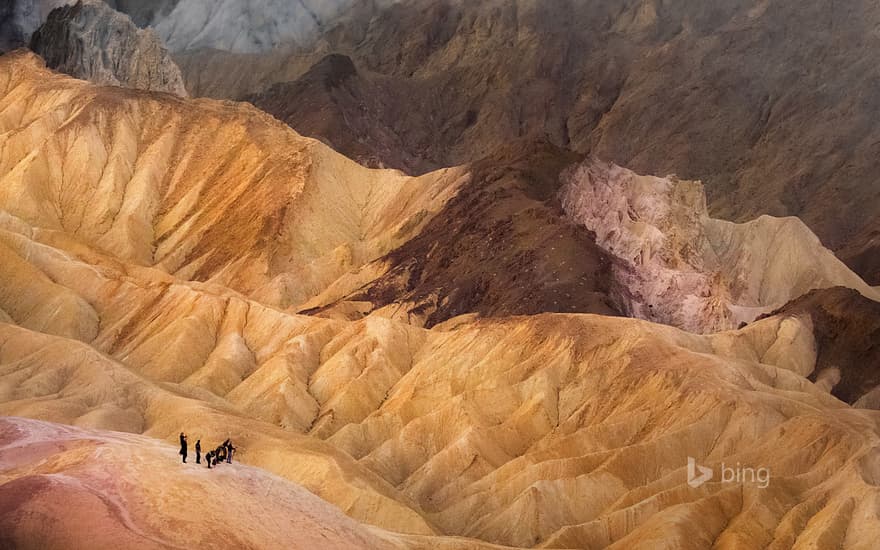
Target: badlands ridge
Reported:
point(172, 264)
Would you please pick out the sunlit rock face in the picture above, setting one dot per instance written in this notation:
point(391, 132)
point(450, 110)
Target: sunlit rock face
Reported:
point(164, 267)
point(72, 488)
point(687, 269)
point(208, 191)
point(93, 42)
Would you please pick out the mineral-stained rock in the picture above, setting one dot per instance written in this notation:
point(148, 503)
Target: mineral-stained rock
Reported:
point(770, 103)
point(687, 269)
point(502, 246)
point(150, 246)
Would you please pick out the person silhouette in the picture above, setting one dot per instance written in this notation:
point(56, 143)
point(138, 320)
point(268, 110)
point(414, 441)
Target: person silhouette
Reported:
point(198, 451)
point(209, 457)
point(183, 446)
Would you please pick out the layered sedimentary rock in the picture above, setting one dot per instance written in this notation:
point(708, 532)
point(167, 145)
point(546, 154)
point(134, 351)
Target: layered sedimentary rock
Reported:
point(153, 250)
point(221, 193)
point(554, 430)
point(501, 246)
point(93, 42)
point(687, 269)
point(207, 191)
point(769, 103)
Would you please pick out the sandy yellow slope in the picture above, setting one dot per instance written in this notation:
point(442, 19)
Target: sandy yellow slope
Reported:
point(557, 430)
point(202, 189)
point(147, 303)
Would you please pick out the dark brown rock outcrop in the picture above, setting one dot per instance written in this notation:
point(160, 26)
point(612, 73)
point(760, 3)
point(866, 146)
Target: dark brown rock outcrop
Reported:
point(501, 247)
point(846, 326)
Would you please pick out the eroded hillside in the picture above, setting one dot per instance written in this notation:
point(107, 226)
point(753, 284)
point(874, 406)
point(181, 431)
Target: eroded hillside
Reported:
point(769, 103)
point(154, 251)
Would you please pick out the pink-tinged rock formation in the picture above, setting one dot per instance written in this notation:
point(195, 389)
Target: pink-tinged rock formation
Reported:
point(683, 267)
point(64, 487)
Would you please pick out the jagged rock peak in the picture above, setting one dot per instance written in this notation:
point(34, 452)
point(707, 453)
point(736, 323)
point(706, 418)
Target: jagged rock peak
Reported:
point(91, 41)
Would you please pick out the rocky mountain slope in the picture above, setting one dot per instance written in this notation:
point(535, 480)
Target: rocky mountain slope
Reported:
point(687, 269)
point(375, 120)
point(457, 431)
point(501, 246)
point(220, 193)
point(847, 329)
point(770, 125)
point(249, 26)
point(93, 42)
point(768, 103)
point(155, 251)
point(207, 190)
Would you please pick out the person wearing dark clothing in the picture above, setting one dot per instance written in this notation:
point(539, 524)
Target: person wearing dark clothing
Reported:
point(198, 451)
point(209, 457)
point(229, 451)
point(183, 446)
point(221, 453)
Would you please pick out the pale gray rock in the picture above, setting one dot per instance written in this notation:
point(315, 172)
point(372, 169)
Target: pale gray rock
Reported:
point(246, 26)
point(93, 42)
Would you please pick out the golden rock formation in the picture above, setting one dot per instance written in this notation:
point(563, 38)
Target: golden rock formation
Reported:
point(204, 190)
point(151, 248)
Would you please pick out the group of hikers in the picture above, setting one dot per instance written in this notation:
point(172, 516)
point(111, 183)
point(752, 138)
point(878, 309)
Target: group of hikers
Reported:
point(223, 453)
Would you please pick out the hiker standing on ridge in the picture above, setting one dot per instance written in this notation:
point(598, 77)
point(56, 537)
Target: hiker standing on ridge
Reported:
point(199, 451)
point(183, 446)
point(209, 458)
point(227, 451)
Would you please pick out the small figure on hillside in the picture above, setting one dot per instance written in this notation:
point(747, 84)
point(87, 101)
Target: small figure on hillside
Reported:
point(198, 451)
point(209, 457)
point(221, 453)
point(183, 446)
point(227, 450)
